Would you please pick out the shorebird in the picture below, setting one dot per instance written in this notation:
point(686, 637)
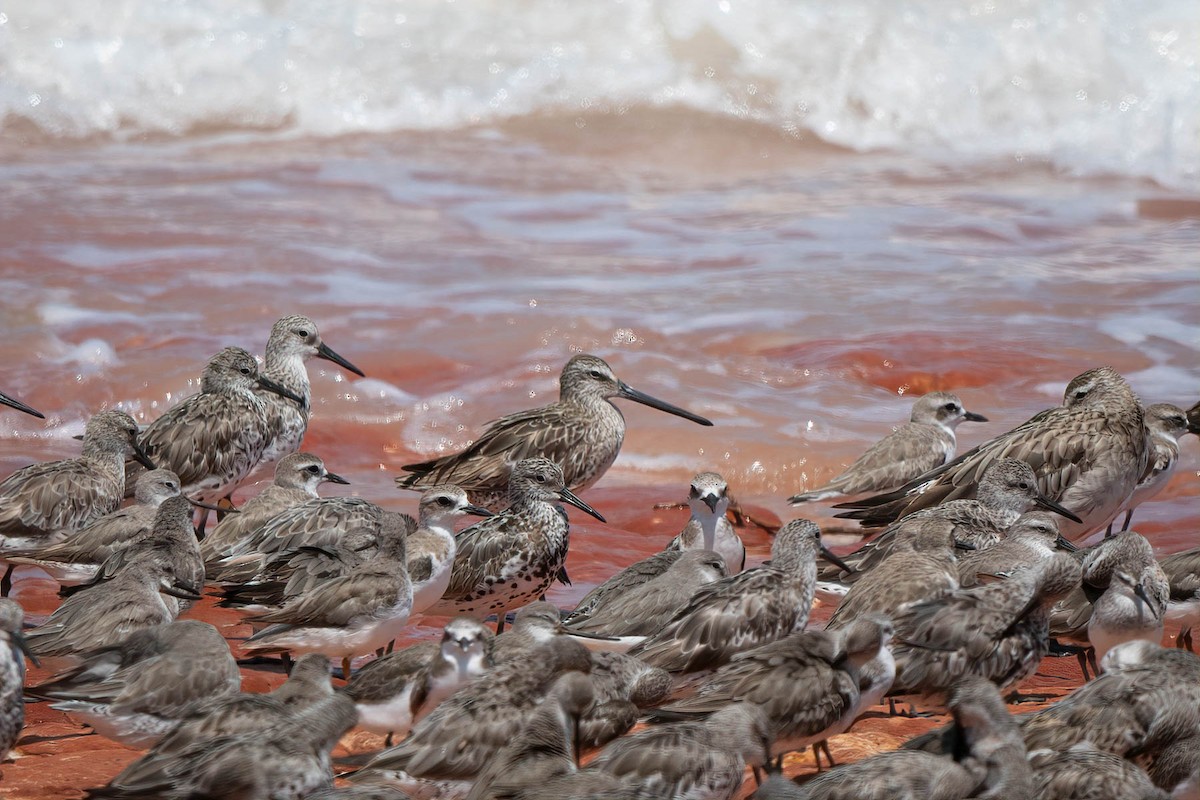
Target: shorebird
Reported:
point(1177, 767)
point(432, 546)
point(43, 503)
point(1033, 538)
point(704, 758)
point(214, 439)
point(1084, 772)
point(1193, 418)
point(287, 762)
point(546, 747)
point(293, 341)
point(807, 683)
point(709, 528)
point(347, 616)
point(447, 749)
point(1165, 423)
point(394, 692)
point(920, 566)
point(145, 593)
point(360, 793)
point(75, 560)
point(1087, 454)
point(13, 650)
point(582, 432)
point(926, 442)
point(643, 609)
point(297, 477)
point(137, 690)
point(625, 686)
point(752, 608)
point(12, 402)
point(626, 580)
point(1183, 574)
point(998, 631)
point(510, 559)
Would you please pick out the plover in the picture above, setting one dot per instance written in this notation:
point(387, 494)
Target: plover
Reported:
point(1165, 423)
point(709, 528)
point(212, 440)
point(508, 560)
point(1088, 455)
point(925, 442)
point(347, 616)
point(394, 692)
point(431, 547)
point(138, 689)
point(293, 341)
point(12, 402)
point(582, 432)
point(297, 477)
point(752, 608)
point(13, 650)
point(75, 560)
point(43, 503)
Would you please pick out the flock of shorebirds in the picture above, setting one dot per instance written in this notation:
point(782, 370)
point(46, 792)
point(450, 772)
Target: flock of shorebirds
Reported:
point(972, 580)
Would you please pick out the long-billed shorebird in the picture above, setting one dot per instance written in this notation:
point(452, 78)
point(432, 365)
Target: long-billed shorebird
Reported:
point(396, 691)
point(1165, 423)
point(347, 616)
point(294, 340)
point(505, 561)
point(12, 402)
point(297, 477)
point(138, 689)
point(1088, 455)
point(76, 560)
point(925, 442)
point(42, 504)
point(212, 440)
point(628, 579)
point(13, 650)
point(709, 528)
point(582, 432)
point(752, 608)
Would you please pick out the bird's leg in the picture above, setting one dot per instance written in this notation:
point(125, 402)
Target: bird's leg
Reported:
point(391, 646)
point(824, 745)
point(286, 658)
point(379, 653)
point(1091, 656)
point(6, 581)
point(388, 741)
point(1128, 518)
point(227, 502)
point(346, 668)
point(500, 623)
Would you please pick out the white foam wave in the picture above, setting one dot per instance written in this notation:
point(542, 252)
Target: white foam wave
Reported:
point(1090, 85)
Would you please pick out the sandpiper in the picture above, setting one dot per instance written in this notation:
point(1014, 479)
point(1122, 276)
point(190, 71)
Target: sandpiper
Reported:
point(1165, 423)
point(998, 631)
point(394, 692)
point(697, 758)
point(360, 793)
point(643, 609)
point(1088, 455)
point(287, 762)
point(297, 477)
point(75, 560)
point(12, 402)
point(508, 560)
point(137, 690)
point(625, 686)
point(545, 748)
point(294, 340)
point(212, 440)
point(582, 432)
point(709, 528)
point(1028, 541)
point(1084, 772)
point(43, 503)
point(456, 741)
point(926, 442)
point(806, 683)
point(145, 593)
point(624, 581)
point(1183, 573)
point(752, 608)
point(13, 650)
point(347, 616)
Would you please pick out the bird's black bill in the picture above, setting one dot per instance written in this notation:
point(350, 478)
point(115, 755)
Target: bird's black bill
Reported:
point(12, 402)
point(1193, 418)
point(711, 501)
point(1063, 544)
point(959, 544)
point(1045, 502)
point(272, 386)
point(1140, 591)
point(214, 506)
point(971, 416)
point(478, 511)
point(22, 644)
point(142, 458)
point(325, 352)
point(181, 591)
point(331, 478)
point(832, 559)
point(568, 496)
point(625, 391)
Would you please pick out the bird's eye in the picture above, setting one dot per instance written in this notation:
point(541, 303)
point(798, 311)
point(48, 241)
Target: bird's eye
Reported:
point(445, 502)
point(1082, 393)
point(1023, 485)
point(244, 370)
point(540, 478)
point(595, 373)
point(313, 470)
point(303, 334)
point(171, 485)
point(951, 407)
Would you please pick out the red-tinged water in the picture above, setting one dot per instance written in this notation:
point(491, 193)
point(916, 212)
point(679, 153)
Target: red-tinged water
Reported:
point(797, 295)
